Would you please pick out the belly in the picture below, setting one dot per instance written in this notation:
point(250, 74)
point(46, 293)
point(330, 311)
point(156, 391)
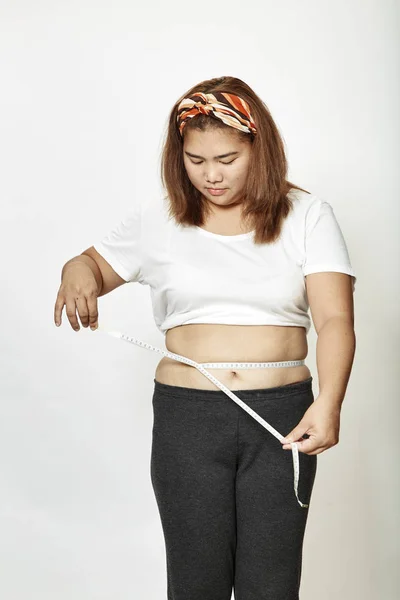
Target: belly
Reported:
point(204, 342)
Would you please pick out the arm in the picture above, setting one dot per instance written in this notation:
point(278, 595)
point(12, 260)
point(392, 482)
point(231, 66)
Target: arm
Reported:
point(331, 303)
point(90, 262)
point(77, 290)
point(332, 310)
point(107, 279)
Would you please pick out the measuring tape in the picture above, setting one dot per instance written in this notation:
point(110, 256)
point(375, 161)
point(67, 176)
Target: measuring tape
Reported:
point(200, 367)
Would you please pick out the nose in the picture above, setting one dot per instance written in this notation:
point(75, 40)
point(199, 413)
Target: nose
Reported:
point(212, 177)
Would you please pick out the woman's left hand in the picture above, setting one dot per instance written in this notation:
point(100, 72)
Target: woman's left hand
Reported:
point(321, 423)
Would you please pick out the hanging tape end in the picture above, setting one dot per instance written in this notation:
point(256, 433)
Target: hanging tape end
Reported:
point(102, 329)
point(116, 334)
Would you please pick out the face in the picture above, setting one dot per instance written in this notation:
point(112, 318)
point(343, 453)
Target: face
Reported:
point(217, 159)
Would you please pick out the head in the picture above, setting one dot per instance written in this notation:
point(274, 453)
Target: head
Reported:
point(217, 157)
point(253, 174)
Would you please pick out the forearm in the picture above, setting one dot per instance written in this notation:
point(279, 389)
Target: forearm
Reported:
point(335, 351)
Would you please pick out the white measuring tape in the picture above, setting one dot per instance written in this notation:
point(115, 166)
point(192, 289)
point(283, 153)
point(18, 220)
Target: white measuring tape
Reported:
point(200, 367)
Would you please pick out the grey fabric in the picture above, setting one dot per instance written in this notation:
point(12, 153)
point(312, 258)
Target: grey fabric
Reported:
point(224, 490)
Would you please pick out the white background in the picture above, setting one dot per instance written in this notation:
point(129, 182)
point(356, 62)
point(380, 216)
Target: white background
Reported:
point(86, 90)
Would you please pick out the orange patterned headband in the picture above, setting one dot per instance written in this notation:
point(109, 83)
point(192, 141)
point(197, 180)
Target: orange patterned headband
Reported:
point(231, 109)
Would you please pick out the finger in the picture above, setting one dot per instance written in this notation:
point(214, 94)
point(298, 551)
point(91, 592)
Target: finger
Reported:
point(93, 312)
point(71, 312)
point(58, 309)
point(83, 311)
point(306, 446)
point(296, 434)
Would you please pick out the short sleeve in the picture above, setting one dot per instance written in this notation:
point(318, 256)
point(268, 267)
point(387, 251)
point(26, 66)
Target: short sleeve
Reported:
point(121, 246)
point(325, 246)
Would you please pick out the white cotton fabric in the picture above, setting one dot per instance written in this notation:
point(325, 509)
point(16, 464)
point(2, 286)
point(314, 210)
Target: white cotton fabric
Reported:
point(196, 276)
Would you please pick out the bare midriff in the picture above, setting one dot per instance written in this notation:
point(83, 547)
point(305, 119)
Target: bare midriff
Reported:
point(206, 343)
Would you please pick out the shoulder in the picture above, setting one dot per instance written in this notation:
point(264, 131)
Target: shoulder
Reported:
point(304, 206)
point(310, 209)
point(157, 225)
point(303, 203)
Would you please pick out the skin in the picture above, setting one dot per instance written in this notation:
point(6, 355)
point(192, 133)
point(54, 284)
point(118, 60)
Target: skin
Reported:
point(210, 171)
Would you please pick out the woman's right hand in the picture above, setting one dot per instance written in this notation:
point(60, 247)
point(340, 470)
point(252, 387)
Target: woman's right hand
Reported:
point(78, 291)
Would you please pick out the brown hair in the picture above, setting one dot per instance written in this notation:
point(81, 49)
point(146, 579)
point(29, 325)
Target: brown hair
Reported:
point(265, 203)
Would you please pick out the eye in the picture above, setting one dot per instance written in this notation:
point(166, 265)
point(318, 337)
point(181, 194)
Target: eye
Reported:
point(224, 163)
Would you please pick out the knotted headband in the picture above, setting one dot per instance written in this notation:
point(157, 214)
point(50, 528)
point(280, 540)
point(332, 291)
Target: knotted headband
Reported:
point(231, 109)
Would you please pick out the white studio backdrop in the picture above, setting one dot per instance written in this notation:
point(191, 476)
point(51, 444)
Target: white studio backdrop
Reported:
point(86, 89)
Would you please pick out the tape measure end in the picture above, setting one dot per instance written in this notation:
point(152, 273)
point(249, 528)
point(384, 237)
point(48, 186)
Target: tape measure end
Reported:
point(116, 334)
point(102, 329)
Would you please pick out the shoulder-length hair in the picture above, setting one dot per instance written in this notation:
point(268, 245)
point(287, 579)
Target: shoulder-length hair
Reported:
point(265, 202)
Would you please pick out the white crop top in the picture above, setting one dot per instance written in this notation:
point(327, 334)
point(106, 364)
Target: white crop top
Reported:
point(196, 276)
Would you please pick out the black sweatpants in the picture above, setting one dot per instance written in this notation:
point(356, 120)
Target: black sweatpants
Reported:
point(224, 490)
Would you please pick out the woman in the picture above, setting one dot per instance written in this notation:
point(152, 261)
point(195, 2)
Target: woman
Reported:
point(234, 257)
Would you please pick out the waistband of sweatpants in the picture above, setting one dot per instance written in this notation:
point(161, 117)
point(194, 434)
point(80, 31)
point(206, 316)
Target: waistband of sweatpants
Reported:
point(280, 391)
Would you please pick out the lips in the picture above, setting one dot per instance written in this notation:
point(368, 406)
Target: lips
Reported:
point(216, 192)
